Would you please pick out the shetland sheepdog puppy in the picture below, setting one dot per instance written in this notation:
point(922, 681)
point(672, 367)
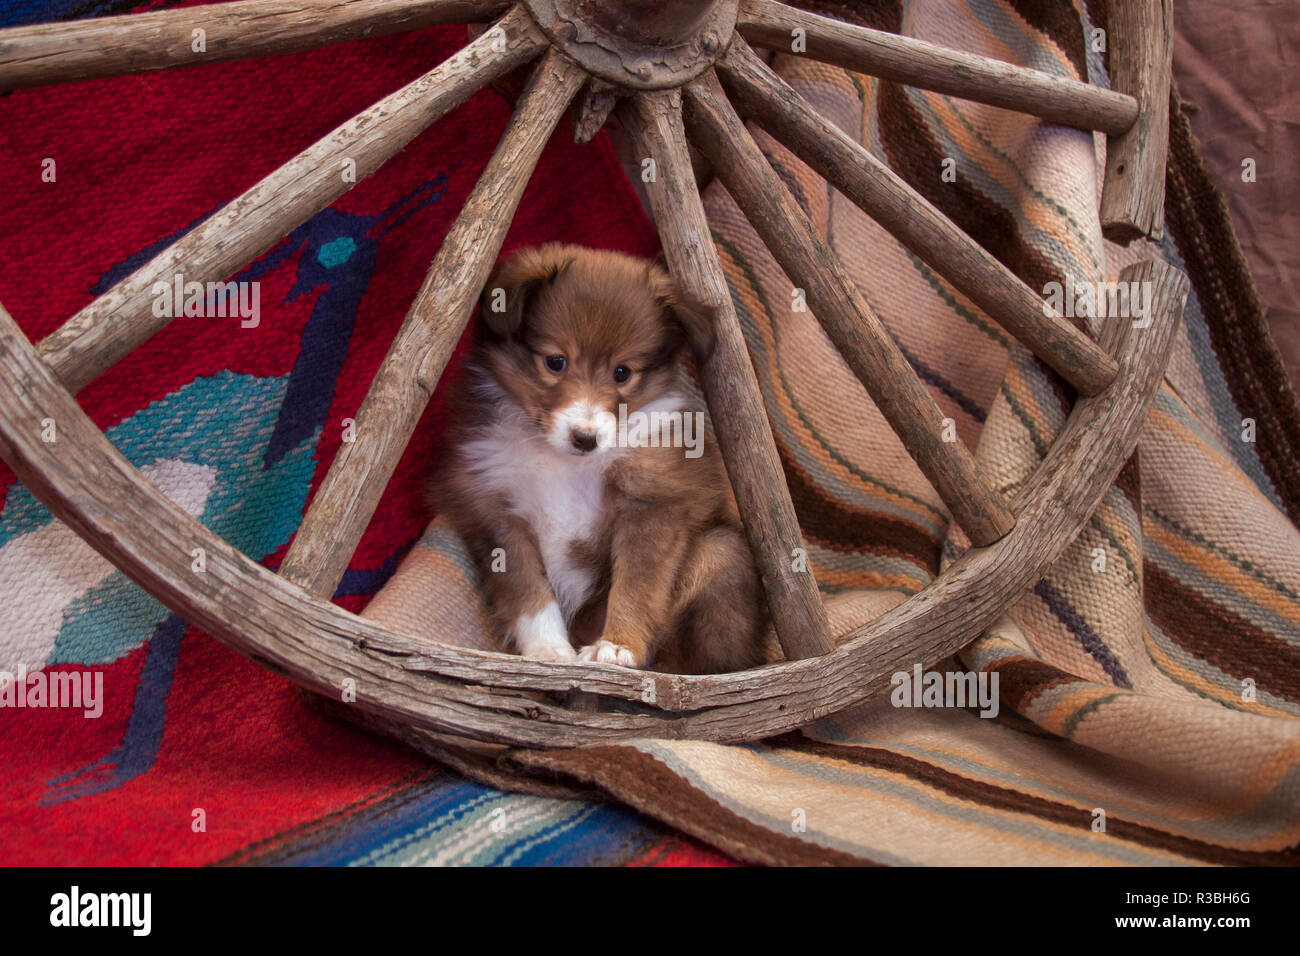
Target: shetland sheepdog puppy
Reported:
point(584, 479)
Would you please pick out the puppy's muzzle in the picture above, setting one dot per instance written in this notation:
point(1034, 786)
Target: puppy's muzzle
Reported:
point(583, 441)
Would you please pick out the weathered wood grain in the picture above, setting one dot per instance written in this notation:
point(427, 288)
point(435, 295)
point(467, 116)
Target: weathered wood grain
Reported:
point(638, 44)
point(348, 496)
point(437, 690)
point(762, 96)
point(735, 406)
point(89, 485)
point(931, 67)
point(839, 306)
point(139, 42)
point(123, 318)
point(1141, 63)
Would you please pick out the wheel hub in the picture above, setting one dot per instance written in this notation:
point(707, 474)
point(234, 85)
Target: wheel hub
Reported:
point(639, 44)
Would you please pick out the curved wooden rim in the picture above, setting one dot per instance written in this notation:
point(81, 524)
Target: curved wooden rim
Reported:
point(414, 688)
point(88, 484)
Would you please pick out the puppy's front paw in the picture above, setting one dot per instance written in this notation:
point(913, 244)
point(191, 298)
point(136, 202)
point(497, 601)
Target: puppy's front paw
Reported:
point(607, 652)
point(549, 652)
point(543, 636)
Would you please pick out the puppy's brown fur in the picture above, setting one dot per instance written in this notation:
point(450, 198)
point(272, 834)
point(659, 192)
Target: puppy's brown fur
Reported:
point(634, 554)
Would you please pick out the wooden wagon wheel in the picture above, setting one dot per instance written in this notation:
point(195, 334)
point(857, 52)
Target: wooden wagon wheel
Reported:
point(677, 66)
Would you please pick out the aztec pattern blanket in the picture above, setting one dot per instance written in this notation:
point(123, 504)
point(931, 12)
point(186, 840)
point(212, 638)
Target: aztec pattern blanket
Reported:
point(1148, 697)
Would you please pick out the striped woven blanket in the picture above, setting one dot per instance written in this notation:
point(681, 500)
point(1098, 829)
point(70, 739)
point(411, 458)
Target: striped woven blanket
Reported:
point(1148, 687)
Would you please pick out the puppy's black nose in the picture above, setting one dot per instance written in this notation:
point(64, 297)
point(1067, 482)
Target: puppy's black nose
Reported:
point(583, 441)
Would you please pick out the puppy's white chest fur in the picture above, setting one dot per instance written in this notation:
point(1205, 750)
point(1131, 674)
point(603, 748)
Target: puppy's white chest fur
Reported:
point(561, 497)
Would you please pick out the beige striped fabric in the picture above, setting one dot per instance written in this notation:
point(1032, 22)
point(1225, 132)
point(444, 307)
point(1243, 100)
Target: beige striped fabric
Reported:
point(1149, 686)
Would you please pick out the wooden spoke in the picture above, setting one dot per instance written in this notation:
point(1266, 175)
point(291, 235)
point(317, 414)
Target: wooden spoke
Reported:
point(882, 194)
point(853, 327)
point(653, 121)
point(932, 67)
point(139, 42)
point(347, 498)
point(1141, 62)
point(123, 318)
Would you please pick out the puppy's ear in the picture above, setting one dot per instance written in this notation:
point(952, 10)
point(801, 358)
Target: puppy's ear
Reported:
point(508, 292)
point(695, 318)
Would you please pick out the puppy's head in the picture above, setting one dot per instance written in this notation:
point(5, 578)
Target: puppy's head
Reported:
point(573, 333)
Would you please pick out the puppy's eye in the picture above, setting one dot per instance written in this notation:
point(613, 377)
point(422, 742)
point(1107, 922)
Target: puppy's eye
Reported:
point(556, 363)
point(622, 374)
